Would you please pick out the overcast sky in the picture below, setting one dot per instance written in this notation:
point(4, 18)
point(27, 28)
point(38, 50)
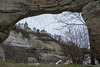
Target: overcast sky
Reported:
point(50, 24)
point(47, 22)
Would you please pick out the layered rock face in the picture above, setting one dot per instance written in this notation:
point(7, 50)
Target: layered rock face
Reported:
point(12, 11)
point(50, 5)
point(91, 14)
point(38, 45)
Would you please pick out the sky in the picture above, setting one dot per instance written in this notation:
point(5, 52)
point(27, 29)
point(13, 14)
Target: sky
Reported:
point(47, 22)
point(51, 22)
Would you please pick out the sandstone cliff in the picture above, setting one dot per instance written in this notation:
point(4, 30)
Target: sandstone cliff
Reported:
point(38, 45)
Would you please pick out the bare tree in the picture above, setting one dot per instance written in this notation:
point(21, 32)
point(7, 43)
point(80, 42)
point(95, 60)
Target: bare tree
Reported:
point(76, 44)
point(68, 19)
point(76, 32)
point(76, 37)
point(76, 53)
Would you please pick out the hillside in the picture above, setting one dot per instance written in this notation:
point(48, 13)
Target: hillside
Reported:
point(22, 44)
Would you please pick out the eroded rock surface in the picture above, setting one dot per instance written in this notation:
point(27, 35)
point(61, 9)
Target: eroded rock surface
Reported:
point(50, 5)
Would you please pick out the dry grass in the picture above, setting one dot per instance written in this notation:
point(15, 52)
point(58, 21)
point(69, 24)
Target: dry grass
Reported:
point(46, 65)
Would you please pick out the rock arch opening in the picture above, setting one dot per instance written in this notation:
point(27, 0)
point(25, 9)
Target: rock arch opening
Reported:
point(13, 11)
point(31, 32)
